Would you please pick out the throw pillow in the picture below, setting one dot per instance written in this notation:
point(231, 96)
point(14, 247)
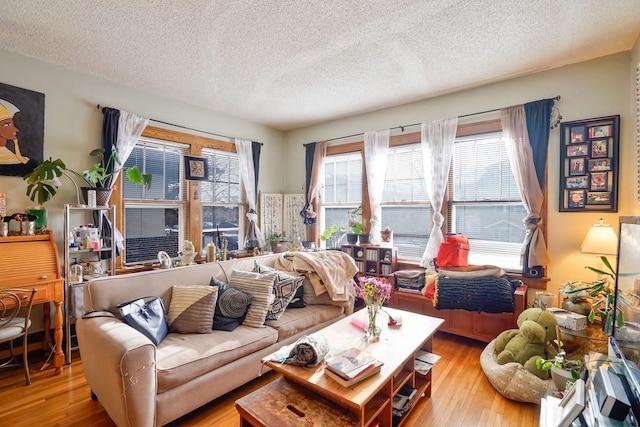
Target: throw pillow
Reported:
point(298, 299)
point(191, 309)
point(285, 287)
point(231, 307)
point(260, 287)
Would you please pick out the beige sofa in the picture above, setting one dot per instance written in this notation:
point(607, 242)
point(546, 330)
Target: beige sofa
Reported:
point(140, 384)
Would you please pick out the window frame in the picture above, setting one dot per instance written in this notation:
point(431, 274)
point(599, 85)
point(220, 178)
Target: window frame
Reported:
point(463, 130)
point(193, 206)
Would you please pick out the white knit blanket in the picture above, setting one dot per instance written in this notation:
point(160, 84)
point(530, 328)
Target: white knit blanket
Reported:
point(328, 271)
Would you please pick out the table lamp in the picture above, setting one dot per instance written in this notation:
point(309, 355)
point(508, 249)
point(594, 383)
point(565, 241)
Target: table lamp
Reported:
point(600, 240)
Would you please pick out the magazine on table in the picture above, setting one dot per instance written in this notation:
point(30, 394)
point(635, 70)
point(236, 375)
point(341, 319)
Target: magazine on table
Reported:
point(350, 363)
point(424, 361)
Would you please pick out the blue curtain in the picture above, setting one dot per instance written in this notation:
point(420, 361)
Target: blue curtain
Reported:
point(109, 131)
point(308, 164)
point(256, 149)
point(538, 115)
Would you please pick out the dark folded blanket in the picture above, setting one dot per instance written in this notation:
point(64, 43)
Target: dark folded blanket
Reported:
point(486, 294)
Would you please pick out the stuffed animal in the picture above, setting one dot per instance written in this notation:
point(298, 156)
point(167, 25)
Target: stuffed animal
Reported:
point(537, 327)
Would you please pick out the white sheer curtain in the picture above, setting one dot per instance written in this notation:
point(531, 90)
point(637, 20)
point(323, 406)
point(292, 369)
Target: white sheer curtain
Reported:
point(436, 141)
point(247, 177)
point(376, 145)
point(514, 128)
point(130, 127)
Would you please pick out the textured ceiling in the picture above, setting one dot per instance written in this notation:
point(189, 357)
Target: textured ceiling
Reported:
point(287, 63)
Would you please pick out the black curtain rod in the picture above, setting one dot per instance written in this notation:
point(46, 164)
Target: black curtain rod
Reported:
point(556, 98)
point(185, 127)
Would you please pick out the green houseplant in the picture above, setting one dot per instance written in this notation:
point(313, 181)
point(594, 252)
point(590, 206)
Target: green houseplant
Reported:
point(599, 295)
point(333, 236)
point(41, 185)
point(356, 227)
point(563, 371)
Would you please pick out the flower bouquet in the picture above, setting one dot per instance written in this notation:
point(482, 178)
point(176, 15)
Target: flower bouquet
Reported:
point(374, 291)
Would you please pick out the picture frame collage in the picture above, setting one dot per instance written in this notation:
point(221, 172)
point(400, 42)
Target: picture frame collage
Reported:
point(589, 165)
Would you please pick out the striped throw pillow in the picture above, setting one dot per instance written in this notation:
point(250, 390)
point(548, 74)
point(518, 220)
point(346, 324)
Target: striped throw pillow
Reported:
point(260, 287)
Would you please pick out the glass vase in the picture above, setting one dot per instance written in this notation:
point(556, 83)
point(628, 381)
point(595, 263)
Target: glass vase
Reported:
point(372, 333)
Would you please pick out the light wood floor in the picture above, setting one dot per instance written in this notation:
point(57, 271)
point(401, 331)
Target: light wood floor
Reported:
point(461, 396)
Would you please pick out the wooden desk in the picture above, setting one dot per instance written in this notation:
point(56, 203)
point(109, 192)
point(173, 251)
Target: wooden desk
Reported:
point(32, 262)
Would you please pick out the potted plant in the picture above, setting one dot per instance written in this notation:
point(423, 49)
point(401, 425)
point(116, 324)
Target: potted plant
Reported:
point(41, 181)
point(564, 372)
point(333, 236)
point(356, 228)
point(276, 239)
point(597, 295)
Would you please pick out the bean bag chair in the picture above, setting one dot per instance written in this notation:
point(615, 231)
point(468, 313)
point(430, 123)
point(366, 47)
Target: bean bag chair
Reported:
point(511, 379)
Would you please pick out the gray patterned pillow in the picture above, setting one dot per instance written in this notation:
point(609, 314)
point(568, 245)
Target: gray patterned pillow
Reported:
point(284, 289)
point(260, 287)
point(231, 307)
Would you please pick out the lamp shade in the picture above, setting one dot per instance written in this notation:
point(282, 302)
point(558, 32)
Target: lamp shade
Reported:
point(601, 240)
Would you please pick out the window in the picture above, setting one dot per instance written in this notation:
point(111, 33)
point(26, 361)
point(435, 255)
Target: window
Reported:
point(342, 188)
point(222, 211)
point(405, 204)
point(155, 219)
point(484, 202)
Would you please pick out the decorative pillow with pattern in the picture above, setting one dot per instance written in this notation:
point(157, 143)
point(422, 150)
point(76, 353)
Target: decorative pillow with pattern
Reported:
point(284, 288)
point(231, 307)
point(260, 287)
point(191, 309)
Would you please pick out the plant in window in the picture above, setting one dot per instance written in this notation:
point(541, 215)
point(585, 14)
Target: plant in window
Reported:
point(41, 182)
point(333, 236)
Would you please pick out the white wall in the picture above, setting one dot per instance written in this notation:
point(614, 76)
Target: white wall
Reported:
point(73, 125)
point(596, 88)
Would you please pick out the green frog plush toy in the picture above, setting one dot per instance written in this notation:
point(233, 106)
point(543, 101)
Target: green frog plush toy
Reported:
point(537, 328)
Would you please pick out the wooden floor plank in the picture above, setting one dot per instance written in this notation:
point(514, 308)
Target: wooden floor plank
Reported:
point(461, 396)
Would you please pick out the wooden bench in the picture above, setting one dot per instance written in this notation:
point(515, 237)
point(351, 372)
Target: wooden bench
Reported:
point(283, 403)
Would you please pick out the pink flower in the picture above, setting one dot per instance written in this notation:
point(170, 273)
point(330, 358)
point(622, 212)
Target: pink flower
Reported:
point(372, 290)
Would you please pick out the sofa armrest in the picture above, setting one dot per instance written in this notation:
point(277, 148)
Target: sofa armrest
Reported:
point(520, 300)
point(120, 367)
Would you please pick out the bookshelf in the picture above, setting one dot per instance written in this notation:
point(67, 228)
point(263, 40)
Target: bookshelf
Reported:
point(373, 260)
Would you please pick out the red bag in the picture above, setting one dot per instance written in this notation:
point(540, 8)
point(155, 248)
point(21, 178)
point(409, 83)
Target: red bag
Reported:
point(454, 252)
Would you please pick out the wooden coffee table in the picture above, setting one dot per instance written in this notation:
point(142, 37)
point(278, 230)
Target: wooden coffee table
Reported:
point(370, 399)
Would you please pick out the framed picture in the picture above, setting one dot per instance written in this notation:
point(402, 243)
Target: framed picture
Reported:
point(577, 150)
point(196, 168)
point(589, 151)
point(577, 166)
point(577, 134)
point(599, 148)
point(599, 165)
point(571, 405)
point(576, 198)
point(577, 182)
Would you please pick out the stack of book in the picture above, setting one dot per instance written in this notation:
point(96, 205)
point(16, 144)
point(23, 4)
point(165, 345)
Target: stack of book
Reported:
point(402, 402)
point(351, 366)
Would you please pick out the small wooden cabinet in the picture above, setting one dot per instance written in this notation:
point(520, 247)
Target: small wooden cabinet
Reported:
point(373, 260)
point(32, 262)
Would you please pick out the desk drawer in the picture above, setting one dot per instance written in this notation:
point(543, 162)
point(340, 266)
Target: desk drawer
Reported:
point(46, 291)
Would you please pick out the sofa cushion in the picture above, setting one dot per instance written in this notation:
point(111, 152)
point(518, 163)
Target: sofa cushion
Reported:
point(293, 322)
point(231, 306)
point(284, 289)
point(260, 286)
point(191, 309)
point(181, 358)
